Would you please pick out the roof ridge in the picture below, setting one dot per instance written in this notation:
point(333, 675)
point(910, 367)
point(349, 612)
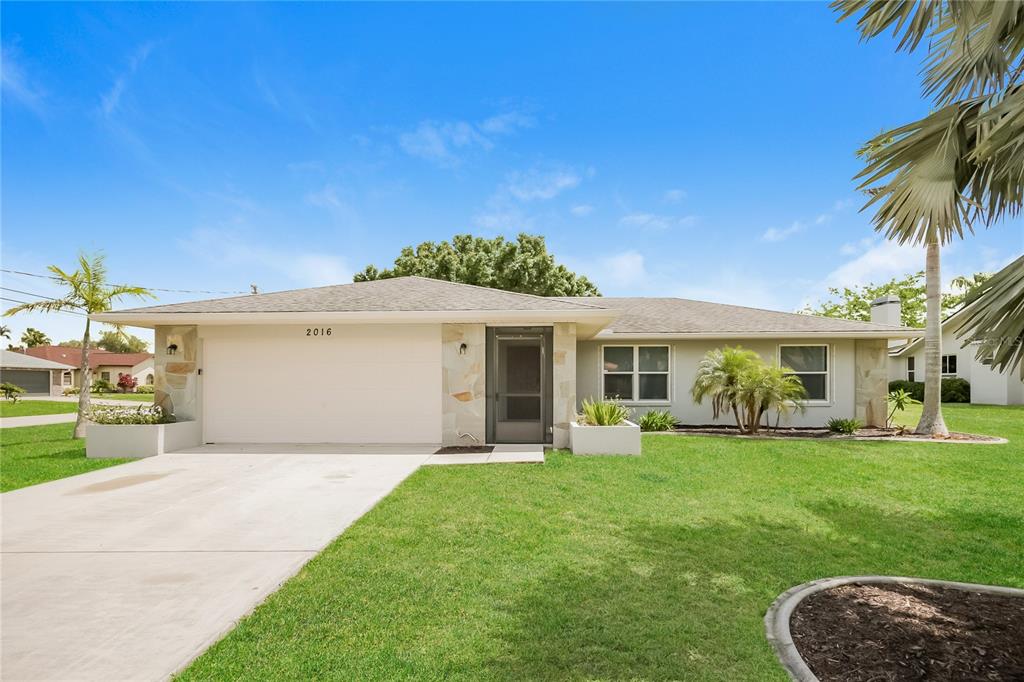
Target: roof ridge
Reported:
point(504, 291)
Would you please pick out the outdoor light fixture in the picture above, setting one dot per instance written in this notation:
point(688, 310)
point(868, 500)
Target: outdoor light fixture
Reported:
point(172, 349)
point(462, 349)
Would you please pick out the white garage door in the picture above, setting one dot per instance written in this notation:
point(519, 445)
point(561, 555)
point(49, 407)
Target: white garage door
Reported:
point(358, 384)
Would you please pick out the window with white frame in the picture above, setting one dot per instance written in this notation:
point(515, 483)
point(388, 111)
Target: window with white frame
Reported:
point(810, 364)
point(635, 373)
point(949, 365)
point(910, 367)
point(66, 378)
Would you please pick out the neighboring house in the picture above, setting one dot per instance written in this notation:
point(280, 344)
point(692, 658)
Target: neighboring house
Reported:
point(414, 360)
point(988, 387)
point(102, 363)
point(37, 376)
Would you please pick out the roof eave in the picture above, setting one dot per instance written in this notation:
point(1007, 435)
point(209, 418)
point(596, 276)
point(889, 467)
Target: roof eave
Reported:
point(772, 334)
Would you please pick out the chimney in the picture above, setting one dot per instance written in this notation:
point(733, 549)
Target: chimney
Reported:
point(887, 310)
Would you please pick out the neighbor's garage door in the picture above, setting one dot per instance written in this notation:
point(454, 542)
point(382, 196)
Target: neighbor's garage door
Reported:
point(359, 384)
point(32, 380)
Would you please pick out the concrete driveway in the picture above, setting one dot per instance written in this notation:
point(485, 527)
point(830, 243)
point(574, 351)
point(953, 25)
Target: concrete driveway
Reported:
point(130, 572)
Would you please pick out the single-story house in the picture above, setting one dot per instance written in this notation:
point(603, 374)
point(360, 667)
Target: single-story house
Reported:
point(415, 360)
point(37, 376)
point(104, 364)
point(988, 387)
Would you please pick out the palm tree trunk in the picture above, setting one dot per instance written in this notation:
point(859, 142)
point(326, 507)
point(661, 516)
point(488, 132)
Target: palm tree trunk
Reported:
point(83, 394)
point(931, 422)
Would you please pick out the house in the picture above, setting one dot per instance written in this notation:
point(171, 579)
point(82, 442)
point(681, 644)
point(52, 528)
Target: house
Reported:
point(988, 387)
point(104, 364)
point(37, 376)
point(415, 360)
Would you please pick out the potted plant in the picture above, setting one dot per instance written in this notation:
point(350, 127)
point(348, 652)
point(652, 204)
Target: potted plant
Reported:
point(603, 428)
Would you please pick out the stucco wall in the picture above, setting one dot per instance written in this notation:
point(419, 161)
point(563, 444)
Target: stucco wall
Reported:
point(687, 354)
point(564, 367)
point(464, 373)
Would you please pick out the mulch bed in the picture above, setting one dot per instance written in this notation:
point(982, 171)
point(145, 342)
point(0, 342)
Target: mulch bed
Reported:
point(860, 632)
point(863, 433)
point(464, 449)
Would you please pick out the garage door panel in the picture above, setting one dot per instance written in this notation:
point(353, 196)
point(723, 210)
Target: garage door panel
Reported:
point(32, 380)
point(370, 384)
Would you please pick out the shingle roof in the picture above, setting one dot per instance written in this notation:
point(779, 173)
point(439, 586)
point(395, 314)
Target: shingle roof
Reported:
point(97, 356)
point(683, 316)
point(10, 359)
point(400, 294)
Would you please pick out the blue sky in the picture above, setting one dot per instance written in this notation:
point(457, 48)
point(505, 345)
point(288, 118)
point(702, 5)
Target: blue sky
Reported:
point(696, 150)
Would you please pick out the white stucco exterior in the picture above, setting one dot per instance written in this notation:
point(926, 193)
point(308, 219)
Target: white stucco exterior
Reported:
point(359, 384)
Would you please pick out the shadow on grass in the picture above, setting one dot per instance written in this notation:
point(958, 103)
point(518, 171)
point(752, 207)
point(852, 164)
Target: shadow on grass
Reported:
point(687, 602)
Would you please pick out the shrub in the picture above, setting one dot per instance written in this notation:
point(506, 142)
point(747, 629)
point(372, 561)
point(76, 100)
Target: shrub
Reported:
point(954, 389)
point(657, 420)
point(101, 386)
point(115, 414)
point(898, 399)
point(603, 413)
point(11, 391)
point(126, 382)
point(71, 390)
point(145, 388)
point(839, 425)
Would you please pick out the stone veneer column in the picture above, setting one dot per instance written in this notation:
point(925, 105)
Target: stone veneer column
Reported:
point(463, 384)
point(564, 388)
point(871, 381)
point(175, 380)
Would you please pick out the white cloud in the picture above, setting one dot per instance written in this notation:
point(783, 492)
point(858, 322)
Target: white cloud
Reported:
point(537, 184)
point(651, 221)
point(880, 262)
point(17, 84)
point(111, 100)
point(581, 210)
point(627, 268)
point(442, 142)
point(673, 196)
point(775, 234)
point(228, 248)
point(842, 204)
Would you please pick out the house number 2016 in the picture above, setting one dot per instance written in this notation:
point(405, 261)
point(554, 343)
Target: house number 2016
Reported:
point(318, 331)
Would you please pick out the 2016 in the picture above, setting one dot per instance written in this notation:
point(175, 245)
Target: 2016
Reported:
point(318, 331)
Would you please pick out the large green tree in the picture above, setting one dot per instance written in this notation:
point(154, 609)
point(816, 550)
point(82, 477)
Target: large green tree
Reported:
point(523, 265)
point(117, 341)
point(86, 291)
point(33, 337)
point(931, 180)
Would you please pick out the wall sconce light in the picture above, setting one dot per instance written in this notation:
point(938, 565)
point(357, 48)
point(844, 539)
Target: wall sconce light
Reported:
point(172, 349)
point(462, 349)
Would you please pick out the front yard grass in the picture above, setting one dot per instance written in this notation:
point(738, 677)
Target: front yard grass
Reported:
point(135, 397)
point(655, 567)
point(32, 408)
point(36, 454)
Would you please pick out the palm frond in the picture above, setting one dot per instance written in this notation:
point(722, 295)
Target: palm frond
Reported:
point(48, 306)
point(911, 20)
point(993, 317)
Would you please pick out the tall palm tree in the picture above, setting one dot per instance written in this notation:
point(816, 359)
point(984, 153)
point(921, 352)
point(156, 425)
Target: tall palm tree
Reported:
point(33, 337)
point(87, 292)
point(963, 163)
point(994, 316)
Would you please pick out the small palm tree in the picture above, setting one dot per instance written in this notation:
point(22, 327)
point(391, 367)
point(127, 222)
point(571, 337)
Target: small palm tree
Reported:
point(5, 332)
point(87, 292)
point(718, 378)
point(33, 337)
point(784, 393)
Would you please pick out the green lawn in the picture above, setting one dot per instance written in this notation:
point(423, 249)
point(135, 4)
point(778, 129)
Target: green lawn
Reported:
point(31, 408)
point(135, 397)
point(36, 454)
point(613, 568)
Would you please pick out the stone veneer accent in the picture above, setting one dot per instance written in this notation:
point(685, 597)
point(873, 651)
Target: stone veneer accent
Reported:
point(871, 380)
point(175, 380)
point(564, 382)
point(463, 385)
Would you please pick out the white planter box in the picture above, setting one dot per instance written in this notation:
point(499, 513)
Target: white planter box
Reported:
point(140, 440)
point(623, 439)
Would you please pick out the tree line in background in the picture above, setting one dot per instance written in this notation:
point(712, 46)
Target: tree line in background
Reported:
point(113, 341)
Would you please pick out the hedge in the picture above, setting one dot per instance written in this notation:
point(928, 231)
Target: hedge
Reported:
point(954, 389)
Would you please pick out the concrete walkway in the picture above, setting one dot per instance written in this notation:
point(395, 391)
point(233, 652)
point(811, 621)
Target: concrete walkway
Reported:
point(37, 420)
point(130, 572)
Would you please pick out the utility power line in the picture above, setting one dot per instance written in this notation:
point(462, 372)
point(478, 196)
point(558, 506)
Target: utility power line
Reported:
point(172, 291)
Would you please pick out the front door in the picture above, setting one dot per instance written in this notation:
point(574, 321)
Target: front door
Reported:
point(519, 405)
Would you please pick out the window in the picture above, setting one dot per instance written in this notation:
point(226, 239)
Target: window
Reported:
point(66, 378)
point(910, 368)
point(949, 365)
point(810, 363)
point(105, 376)
point(635, 373)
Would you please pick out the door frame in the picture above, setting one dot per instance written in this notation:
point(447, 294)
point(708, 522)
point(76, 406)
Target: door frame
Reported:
point(491, 379)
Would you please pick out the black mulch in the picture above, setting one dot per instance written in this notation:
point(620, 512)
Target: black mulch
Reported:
point(877, 632)
point(464, 449)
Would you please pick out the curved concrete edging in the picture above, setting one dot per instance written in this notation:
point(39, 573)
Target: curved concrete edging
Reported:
point(776, 620)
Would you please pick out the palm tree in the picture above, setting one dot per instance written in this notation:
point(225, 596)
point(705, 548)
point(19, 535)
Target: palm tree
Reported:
point(5, 332)
point(994, 315)
point(784, 393)
point(33, 337)
point(87, 292)
point(718, 377)
point(961, 164)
